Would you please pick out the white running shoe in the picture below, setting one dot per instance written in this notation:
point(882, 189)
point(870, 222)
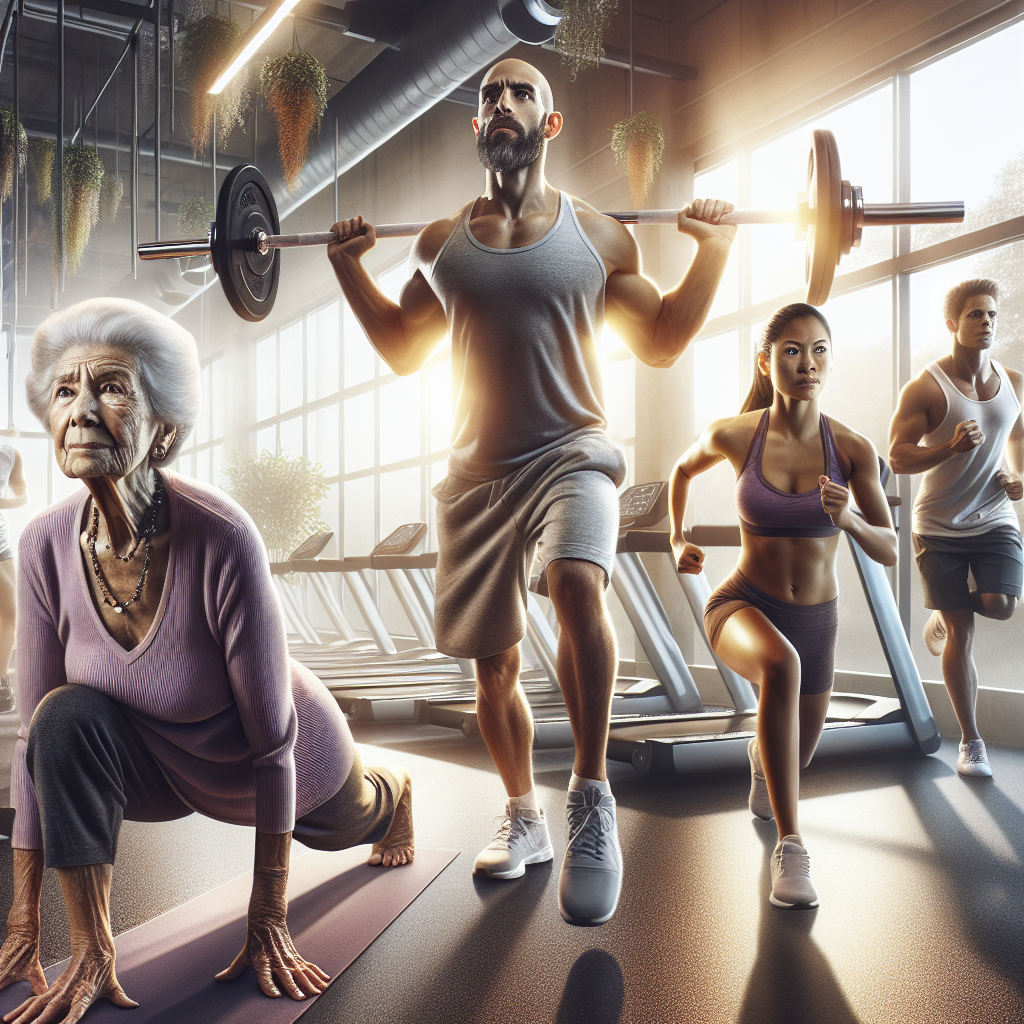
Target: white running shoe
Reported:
point(791, 875)
point(935, 634)
point(972, 760)
point(591, 875)
point(522, 838)
point(759, 804)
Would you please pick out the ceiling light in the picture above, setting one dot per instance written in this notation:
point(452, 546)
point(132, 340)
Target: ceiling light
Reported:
point(256, 36)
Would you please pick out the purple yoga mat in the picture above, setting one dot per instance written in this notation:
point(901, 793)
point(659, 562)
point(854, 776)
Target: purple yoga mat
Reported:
point(338, 905)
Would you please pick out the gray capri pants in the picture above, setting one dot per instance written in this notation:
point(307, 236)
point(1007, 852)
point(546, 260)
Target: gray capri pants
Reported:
point(90, 769)
point(561, 504)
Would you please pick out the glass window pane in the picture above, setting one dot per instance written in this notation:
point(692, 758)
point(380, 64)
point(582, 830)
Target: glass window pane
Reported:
point(266, 439)
point(5, 369)
point(291, 437)
point(266, 378)
point(359, 433)
point(323, 439)
point(217, 465)
point(978, 88)
point(620, 398)
point(723, 183)
point(291, 366)
point(215, 398)
point(716, 359)
point(360, 356)
point(440, 406)
point(400, 499)
point(202, 429)
point(23, 418)
point(323, 358)
point(360, 517)
point(400, 419)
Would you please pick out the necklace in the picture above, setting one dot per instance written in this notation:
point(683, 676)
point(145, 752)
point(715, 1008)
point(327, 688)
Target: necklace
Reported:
point(146, 531)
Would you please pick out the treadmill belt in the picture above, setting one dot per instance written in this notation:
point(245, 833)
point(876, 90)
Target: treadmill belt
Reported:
point(338, 905)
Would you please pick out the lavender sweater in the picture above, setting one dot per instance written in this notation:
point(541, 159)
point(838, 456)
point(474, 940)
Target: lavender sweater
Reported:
point(242, 733)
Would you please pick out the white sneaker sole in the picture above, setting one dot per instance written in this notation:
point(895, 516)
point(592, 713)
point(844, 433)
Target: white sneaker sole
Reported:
point(791, 906)
point(540, 857)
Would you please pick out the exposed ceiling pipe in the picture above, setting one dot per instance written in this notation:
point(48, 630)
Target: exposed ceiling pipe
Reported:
point(447, 42)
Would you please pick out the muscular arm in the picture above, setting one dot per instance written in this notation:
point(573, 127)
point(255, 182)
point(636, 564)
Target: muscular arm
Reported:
point(920, 409)
point(657, 328)
point(16, 485)
point(406, 332)
point(1013, 481)
point(698, 458)
point(874, 532)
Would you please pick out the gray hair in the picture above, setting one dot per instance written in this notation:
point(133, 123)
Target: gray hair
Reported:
point(164, 353)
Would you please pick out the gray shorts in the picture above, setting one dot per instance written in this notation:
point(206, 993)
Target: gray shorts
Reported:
point(995, 559)
point(563, 504)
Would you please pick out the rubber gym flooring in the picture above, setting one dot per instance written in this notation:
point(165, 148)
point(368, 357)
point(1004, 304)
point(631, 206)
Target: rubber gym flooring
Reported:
point(919, 874)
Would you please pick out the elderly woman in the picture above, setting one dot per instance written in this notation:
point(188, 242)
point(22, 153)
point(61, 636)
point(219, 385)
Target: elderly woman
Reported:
point(152, 669)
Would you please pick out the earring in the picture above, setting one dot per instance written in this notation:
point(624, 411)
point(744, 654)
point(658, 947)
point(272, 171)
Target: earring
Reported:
point(159, 452)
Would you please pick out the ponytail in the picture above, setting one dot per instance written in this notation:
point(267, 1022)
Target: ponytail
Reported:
point(761, 394)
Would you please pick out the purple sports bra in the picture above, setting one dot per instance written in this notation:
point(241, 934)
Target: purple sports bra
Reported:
point(765, 511)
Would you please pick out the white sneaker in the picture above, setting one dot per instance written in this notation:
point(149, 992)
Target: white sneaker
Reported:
point(591, 875)
point(759, 804)
point(973, 760)
point(935, 634)
point(522, 838)
point(791, 875)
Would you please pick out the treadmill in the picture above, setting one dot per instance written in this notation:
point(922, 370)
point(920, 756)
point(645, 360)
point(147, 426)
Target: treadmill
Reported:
point(855, 723)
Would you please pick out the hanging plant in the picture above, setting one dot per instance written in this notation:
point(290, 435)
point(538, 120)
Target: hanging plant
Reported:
point(111, 193)
point(638, 143)
point(202, 48)
point(13, 149)
point(41, 153)
point(580, 31)
point(83, 179)
point(194, 216)
point(283, 496)
point(295, 85)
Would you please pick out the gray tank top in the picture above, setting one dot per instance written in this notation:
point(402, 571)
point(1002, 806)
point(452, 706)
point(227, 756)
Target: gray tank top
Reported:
point(524, 326)
point(961, 497)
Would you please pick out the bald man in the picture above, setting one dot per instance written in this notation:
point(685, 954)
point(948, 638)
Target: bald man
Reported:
point(523, 278)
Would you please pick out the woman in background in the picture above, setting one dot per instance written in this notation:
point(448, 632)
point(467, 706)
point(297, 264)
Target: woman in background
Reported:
point(775, 619)
point(12, 479)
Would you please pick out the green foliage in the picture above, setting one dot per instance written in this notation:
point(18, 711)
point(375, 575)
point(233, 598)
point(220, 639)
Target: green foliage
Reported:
point(111, 194)
point(41, 154)
point(283, 496)
point(13, 150)
point(202, 49)
point(579, 33)
point(83, 177)
point(295, 84)
point(638, 143)
point(194, 217)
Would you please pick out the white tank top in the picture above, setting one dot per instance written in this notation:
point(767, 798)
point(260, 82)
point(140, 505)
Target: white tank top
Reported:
point(961, 496)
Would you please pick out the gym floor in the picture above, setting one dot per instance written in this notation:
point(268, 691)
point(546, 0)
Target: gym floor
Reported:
point(919, 874)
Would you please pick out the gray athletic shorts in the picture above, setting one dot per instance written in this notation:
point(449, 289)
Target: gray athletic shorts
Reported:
point(563, 504)
point(995, 559)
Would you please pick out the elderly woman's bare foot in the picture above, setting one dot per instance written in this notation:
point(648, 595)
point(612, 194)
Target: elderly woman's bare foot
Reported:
point(396, 847)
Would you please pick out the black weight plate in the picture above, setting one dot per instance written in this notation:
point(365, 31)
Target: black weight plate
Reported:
point(245, 204)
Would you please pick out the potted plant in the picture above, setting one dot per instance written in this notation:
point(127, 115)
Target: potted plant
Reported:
point(83, 179)
point(202, 48)
point(295, 85)
point(638, 143)
point(41, 153)
point(13, 152)
point(579, 33)
point(282, 495)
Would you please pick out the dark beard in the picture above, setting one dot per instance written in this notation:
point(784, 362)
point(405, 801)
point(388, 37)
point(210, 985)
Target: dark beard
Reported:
point(504, 155)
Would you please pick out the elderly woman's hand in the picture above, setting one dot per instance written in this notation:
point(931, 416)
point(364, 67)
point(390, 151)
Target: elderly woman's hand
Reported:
point(268, 948)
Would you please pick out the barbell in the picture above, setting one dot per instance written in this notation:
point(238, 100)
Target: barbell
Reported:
point(244, 244)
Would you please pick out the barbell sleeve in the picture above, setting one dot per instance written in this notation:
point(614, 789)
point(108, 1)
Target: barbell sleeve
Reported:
point(892, 214)
point(174, 249)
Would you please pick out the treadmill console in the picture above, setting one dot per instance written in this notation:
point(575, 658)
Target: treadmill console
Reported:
point(401, 541)
point(643, 506)
point(311, 546)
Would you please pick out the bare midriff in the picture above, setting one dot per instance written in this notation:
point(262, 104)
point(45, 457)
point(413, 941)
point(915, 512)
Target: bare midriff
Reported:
point(796, 570)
